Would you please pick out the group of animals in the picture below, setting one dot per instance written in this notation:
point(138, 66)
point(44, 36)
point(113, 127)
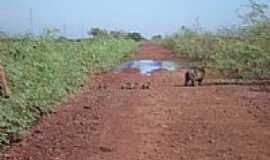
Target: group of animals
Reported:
point(192, 75)
point(136, 85)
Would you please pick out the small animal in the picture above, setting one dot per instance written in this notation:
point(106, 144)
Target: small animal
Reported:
point(103, 86)
point(194, 74)
point(129, 85)
point(146, 85)
point(4, 89)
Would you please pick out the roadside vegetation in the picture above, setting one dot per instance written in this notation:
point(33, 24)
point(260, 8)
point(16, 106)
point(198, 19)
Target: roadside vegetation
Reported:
point(242, 51)
point(43, 70)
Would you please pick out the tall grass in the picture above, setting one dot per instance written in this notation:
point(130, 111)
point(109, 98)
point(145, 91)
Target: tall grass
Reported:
point(241, 52)
point(43, 70)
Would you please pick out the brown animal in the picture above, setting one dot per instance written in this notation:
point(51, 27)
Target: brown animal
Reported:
point(195, 74)
point(5, 91)
point(146, 85)
point(129, 85)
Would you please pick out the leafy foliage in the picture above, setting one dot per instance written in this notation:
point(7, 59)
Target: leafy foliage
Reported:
point(135, 36)
point(240, 52)
point(97, 32)
point(43, 70)
point(156, 37)
point(117, 34)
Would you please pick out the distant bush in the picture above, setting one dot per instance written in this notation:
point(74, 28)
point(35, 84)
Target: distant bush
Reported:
point(97, 32)
point(43, 70)
point(116, 34)
point(135, 36)
point(239, 52)
point(156, 37)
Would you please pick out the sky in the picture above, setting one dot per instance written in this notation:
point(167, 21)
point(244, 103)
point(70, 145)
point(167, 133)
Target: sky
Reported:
point(149, 17)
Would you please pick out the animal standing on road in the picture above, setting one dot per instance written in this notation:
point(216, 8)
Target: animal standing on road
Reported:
point(194, 74)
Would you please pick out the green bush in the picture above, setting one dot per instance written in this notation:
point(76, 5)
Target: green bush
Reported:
point(242, 60)
point(242, 52)
point(233, 57)
point(42, 71)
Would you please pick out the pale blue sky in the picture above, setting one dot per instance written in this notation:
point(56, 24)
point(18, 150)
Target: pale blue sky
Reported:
point(148, 17)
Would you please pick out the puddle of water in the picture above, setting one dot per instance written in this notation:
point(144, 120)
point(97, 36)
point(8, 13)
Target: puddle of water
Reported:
point(147, 66)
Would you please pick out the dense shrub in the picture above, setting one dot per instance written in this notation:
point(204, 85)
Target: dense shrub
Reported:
point(240, 52)
point(43, 70)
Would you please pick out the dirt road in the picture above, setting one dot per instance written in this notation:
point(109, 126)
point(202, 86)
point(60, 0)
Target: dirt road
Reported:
point(166, 122)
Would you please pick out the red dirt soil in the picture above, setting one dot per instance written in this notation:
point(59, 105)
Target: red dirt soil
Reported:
point(166, 122)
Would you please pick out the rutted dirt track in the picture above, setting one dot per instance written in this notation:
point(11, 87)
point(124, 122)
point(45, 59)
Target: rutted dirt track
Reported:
point(166, 122)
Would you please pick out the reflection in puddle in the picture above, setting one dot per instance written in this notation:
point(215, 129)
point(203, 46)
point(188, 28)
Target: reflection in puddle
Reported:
point(148, 66)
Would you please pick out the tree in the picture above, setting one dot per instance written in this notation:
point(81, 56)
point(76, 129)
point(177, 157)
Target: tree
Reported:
point(118, 34)
point(97, 32)
point(157, 37)
point(256, 13)
point(135, 36)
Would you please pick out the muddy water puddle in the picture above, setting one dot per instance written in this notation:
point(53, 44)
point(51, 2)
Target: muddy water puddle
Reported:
point(148, 66)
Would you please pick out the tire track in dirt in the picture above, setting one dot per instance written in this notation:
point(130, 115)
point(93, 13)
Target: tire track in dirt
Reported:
point(166, 122)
